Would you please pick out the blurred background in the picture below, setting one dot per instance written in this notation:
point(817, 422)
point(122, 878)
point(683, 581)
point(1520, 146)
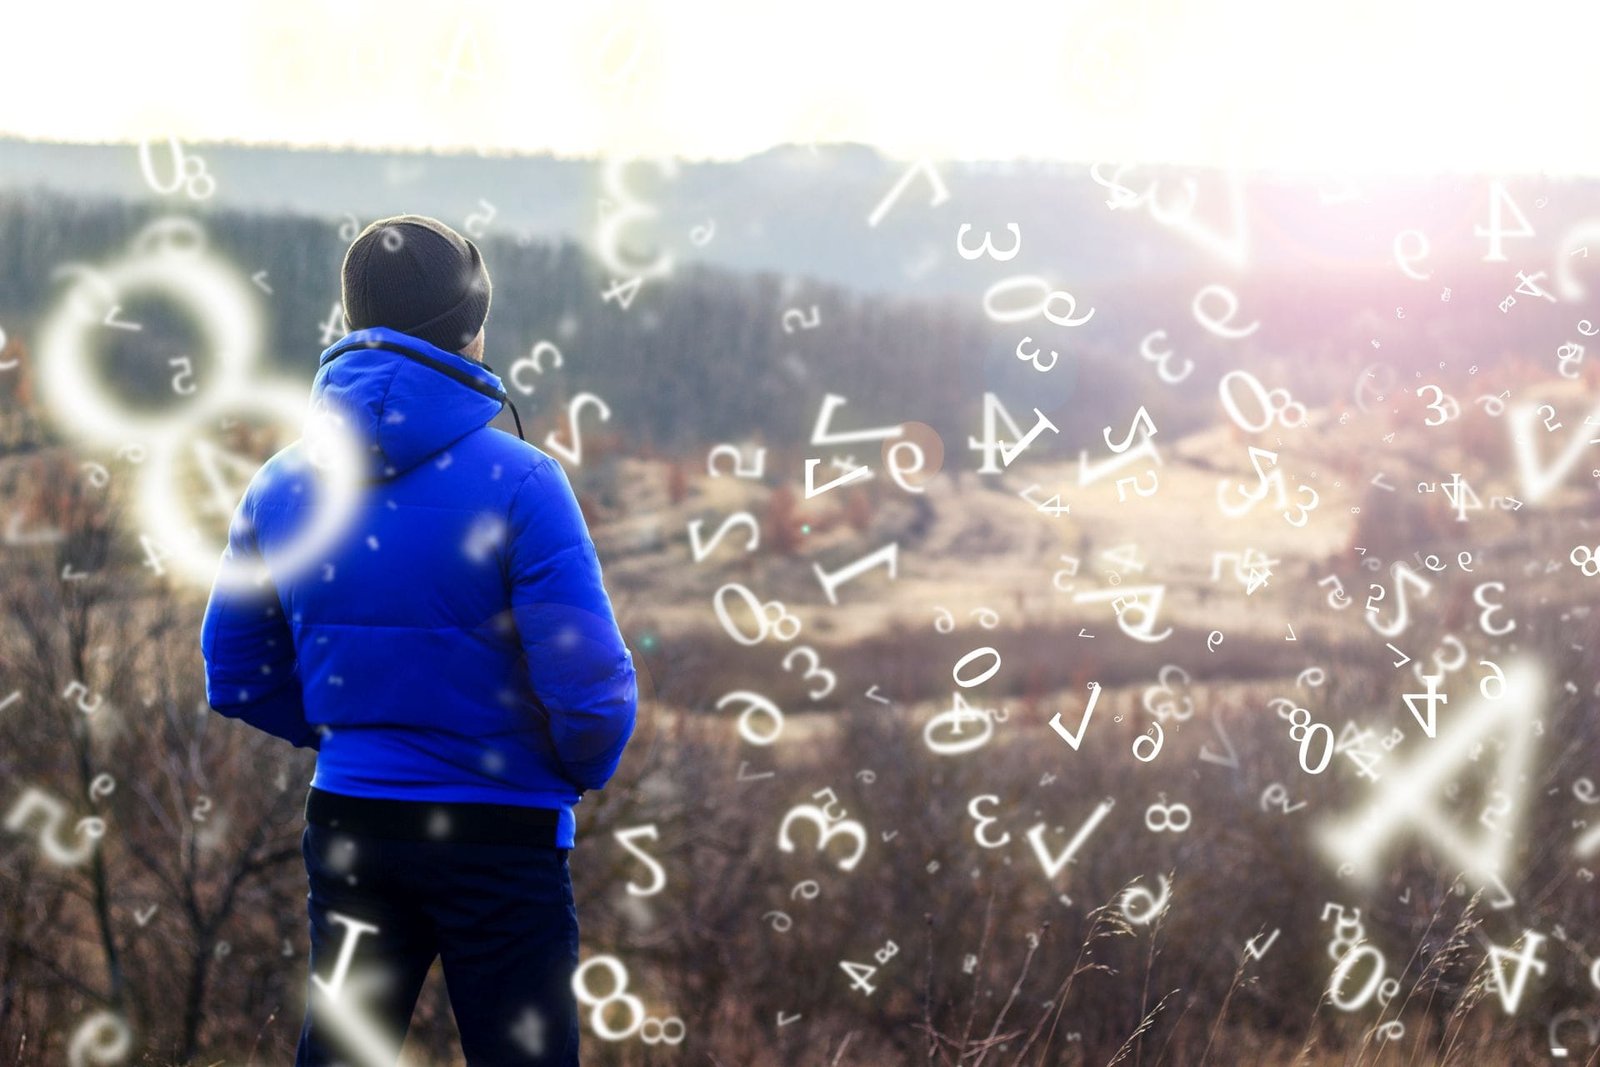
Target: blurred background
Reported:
point(1100, 497)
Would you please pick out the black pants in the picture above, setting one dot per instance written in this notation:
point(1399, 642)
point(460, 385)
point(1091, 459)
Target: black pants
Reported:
point(440, 884)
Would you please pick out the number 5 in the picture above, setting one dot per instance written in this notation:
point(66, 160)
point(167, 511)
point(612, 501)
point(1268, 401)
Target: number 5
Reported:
point(186, 371)
point(33, 801)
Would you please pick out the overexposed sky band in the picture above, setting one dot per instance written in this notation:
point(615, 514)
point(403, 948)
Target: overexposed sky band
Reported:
point(1358, 86)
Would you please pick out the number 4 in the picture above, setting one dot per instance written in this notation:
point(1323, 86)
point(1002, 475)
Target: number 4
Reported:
point(859, 974)
point(1511, 994)
point(991, 446)
point(1496, 231)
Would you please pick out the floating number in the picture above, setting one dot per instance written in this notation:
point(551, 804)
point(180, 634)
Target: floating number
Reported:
point(574, 455)
point(1154, 903)
point(755, 704)
point(1275, 406)
point(1043, 307)
point(618, 995)
point(826, 830)
point(1160, 359)
point(657, 874)
point(1220, 326)
point(103, 1038)
point(987, 248)
point(771, 617)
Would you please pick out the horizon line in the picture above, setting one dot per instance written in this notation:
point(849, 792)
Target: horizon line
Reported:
point(465, 150)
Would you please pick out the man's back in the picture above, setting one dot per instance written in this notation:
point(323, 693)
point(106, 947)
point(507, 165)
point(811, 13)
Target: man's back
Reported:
point(456, 642)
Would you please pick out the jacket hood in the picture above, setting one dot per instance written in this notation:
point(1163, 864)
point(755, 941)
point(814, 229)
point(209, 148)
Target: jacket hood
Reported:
point(401, 398)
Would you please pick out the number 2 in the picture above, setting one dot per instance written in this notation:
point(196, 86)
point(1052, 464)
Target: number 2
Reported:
point(658, 876)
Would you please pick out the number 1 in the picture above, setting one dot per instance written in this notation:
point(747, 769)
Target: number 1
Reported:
point(888, 554)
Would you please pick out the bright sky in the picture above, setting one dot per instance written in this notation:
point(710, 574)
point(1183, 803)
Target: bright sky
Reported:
point(1346, 85)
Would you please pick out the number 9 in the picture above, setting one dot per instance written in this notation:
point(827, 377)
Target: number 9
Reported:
point(1157, 903)
point(1219, 326)
point(1154, 742)
point(898, 470)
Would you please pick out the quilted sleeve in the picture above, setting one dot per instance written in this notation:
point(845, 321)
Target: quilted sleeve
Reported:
point(252, 672)
point(578, 665)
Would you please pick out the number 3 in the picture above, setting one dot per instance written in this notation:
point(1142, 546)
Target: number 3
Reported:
point(1443, 406)
point(1489, 609)
point(1035, 354)
point(988, 248)
point(1160, 359)
point(984, 821)
point(826, 832)
point(816, 670)
point(1305, 509)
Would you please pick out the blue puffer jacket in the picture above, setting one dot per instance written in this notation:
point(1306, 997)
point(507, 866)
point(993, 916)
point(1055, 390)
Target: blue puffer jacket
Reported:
point(456, 642)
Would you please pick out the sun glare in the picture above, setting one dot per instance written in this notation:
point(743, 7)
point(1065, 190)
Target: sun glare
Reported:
point(1354, 87)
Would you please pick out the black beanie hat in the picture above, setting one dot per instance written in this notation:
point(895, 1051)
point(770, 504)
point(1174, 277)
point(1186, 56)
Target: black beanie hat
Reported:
point(416, 275)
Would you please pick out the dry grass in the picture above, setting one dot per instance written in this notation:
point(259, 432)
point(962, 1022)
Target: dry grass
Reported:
point(1051, 980)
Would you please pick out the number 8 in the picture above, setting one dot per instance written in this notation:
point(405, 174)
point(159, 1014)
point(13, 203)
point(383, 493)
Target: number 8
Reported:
point(1271, 412)
point(771, 617)
point(597, 1017)
point(660, 1036)
point(1166, 820)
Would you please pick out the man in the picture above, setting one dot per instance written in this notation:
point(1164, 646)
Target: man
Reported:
point(453, 659)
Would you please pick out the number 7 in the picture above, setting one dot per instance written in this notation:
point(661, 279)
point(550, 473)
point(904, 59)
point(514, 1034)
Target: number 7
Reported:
point(1083, 724)
point(940, 193)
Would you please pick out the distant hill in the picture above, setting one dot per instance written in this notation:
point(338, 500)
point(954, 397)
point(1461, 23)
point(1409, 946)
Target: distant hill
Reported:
point(803, 212)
